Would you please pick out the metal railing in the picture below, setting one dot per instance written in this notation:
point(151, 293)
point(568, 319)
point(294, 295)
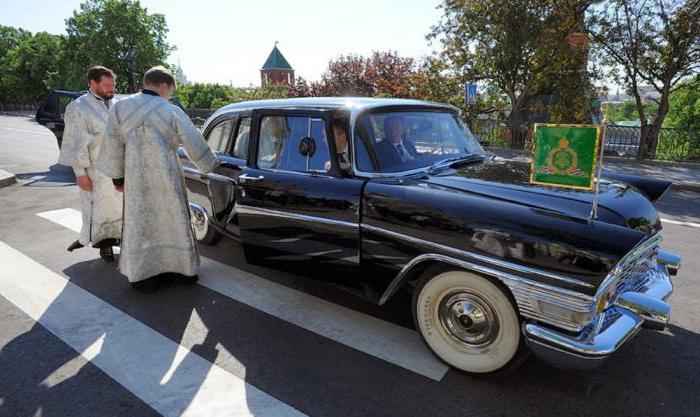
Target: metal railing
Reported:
point(673, 144)
point(199, 116)
point(19, 109)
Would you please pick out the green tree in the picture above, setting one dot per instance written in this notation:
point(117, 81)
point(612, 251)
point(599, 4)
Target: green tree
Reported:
point(506, 43)
point(31, 65)
point(212, 96)
point(684, 109)
point(627, 110)
point(654, 42)
point(119, 34)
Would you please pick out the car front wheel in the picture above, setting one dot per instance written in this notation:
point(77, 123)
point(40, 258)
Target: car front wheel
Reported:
point(468, 321)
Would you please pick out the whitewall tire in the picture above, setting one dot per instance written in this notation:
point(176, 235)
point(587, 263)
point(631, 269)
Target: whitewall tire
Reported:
point(203, 232)
point(468, 321)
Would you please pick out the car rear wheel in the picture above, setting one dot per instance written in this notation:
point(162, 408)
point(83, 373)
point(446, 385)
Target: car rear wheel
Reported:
point(203, 231)
point(468, 321)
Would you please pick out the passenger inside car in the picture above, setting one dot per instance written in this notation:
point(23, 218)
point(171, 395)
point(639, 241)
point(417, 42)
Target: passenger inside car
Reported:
point(340, 136)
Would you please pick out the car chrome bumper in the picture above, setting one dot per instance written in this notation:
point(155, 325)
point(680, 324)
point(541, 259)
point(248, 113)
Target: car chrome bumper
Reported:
point(614, 326)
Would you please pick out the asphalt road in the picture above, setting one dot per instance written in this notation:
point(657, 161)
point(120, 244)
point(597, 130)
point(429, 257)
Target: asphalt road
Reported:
point(75, 340)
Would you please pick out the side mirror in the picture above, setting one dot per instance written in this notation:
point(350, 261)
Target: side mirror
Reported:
point(307, 146)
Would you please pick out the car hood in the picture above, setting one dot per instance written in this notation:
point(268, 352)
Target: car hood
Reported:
point(619, 202)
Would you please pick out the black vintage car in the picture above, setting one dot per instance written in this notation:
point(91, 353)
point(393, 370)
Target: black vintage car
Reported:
point(51, 110)
point(497, 267)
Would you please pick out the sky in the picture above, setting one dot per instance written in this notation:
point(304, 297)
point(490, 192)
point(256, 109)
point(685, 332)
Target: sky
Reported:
point(228, 41)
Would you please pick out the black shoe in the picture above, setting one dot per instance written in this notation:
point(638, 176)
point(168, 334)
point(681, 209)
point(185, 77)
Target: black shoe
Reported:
point(148, 286)
point(107, 254)
point(75, 245)
point(187, 279)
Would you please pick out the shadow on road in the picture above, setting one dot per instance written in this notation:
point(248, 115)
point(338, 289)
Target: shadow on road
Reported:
point(655, 374)
point(57, 176)
point(163, 372)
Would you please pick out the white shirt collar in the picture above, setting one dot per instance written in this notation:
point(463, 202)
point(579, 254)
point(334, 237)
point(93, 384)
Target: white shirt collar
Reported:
point(95, 95)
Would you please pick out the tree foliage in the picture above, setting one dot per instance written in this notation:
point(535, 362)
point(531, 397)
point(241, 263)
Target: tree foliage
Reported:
point(383, 74)
point(506, 43)
point(212, 96)
point(31, 64)
point(627, 111)
point(653, 42)
point(119, 34)
point(685, 106)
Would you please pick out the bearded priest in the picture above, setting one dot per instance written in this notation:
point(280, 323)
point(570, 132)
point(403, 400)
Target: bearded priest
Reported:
point(100, 203)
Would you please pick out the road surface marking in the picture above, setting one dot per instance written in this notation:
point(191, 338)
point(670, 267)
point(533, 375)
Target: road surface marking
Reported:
point(127, 350)
point(395, 344)
point(690, 224)
point(34, 132)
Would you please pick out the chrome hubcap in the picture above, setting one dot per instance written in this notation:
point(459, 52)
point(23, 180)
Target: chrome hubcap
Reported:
point(469, 319)
point(199, 223)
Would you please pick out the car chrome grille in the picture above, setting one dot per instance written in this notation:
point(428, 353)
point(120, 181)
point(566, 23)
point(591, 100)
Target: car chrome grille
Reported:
point(633, 273)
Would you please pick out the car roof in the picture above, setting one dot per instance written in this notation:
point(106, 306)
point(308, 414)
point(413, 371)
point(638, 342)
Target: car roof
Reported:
point(354, 105)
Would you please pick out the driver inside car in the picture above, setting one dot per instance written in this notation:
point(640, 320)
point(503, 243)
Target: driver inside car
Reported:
point(394, 149)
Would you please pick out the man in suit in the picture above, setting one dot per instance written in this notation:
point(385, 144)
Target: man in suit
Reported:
point(394, 150)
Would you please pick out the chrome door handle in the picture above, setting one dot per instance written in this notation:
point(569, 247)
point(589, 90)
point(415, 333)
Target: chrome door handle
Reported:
point(245, 177)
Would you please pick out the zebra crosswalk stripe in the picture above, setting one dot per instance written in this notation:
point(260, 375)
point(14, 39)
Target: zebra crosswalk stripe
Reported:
point(395, 344)
point(131, 353)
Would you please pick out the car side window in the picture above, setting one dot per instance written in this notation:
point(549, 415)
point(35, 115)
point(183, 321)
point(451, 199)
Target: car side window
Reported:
point(218, 136)
point(63, 102)
point(280, 136)
point(240, 146)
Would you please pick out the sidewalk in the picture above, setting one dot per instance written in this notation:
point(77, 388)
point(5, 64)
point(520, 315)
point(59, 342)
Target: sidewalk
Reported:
point(685, 176)
point(6, 178)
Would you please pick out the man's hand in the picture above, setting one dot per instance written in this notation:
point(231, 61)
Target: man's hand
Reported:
point(119, 188)
point(84, 183)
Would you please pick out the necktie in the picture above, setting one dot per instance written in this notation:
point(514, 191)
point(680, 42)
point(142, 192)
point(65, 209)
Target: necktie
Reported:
point(402, 152)
point(341, 158)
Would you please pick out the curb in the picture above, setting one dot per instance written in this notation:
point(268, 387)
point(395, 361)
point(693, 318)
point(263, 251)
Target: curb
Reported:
point(6, 179)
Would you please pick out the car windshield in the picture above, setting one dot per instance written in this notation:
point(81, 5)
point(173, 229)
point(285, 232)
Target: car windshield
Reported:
point(409, 140)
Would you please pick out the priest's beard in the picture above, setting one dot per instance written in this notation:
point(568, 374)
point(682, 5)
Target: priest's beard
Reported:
point(104, 95)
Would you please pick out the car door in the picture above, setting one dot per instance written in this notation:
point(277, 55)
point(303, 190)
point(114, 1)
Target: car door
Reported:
point(215, 191)
point(292, 211)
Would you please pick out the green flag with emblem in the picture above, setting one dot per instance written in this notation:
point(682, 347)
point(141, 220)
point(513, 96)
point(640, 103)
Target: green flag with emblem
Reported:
point(565, 155)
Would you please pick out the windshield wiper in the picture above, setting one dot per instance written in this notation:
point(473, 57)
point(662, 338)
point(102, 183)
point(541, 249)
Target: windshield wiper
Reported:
point(452, 162)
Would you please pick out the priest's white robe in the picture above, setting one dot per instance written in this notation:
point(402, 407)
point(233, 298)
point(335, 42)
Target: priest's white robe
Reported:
point(142, 136)
point(83, 136)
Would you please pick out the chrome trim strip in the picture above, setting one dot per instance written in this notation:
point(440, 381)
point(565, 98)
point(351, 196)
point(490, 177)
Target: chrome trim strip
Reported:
point(618, 323)
point(482, 258)
point(211, 175)
point(670, 260)
point(654, 311)
point(245, 209)
point(218, 177)
point(191, 170)
point(526, 292)
point(624, 327)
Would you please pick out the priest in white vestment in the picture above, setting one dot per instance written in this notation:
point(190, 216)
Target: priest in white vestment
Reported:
point(142, 136)
point(100, 203)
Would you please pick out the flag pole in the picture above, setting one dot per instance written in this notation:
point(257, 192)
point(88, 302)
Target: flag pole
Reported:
point(601, 146)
